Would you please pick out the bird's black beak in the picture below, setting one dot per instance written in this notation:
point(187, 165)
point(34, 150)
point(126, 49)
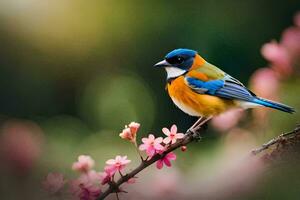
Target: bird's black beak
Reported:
point(162, 63)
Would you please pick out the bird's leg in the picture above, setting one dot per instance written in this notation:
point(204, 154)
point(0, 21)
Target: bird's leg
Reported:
point(200, 124)
point(192, 128)
point(195, 128)
point(196, 123)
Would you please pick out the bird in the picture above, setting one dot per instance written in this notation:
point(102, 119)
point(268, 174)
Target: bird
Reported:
point(201, 89)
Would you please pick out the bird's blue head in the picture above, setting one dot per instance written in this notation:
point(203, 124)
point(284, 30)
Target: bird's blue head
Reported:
point(178, 62)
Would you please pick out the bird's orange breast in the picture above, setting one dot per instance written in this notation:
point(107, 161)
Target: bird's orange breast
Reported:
point(193, 103)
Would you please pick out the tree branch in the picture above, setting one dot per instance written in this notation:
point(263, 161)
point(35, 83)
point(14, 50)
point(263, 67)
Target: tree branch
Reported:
point(193, 134)
point(278, 142)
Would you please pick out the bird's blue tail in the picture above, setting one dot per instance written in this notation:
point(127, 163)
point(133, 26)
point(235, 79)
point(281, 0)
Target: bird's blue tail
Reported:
point(272, 104)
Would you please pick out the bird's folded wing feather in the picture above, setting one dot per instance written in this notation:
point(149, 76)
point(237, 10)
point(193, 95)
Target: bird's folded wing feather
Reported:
point(224, 87)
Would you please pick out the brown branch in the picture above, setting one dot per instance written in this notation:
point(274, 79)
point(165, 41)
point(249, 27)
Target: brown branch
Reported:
point(191, 134)
point(278, 142)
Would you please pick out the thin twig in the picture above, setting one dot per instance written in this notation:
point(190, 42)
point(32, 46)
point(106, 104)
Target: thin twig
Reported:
point(276, 140)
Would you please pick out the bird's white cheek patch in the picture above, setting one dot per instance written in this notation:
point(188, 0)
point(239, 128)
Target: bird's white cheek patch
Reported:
point(173, 72)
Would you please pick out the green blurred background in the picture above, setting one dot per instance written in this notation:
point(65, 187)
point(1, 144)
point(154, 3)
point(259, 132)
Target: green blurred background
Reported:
point(81, 70)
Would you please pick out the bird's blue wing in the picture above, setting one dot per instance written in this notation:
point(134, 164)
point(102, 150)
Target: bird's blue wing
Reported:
point(228, 88)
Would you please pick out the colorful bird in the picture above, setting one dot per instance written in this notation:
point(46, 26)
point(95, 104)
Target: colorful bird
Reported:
point(201, 89)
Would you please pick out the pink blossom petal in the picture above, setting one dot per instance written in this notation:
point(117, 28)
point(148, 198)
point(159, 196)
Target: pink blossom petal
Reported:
point(179, 135)
point(123, 158)
point(171, 156)
point(174, 129)
point(105, 178)
point(125, 162)
point(111, 170)
point(110, 162)
point(143, 147)
point(118, 158)
point(150, 151)
point(167, 140)
point(145, 140)
point(166, 131)
point(151, 137)
point(158, 147)
point(159, 140)
point(167, 162)
point(159, 164)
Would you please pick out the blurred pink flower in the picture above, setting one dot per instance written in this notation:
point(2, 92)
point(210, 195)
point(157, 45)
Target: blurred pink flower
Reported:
point(278, 56)
point(109, 169)
point(172, 135)
point(130, 131)
point(265, 83)
point(166, 184)
point(54, 183)
point(20, 146)
point(87, 186)
point(166, 160)
point(84, 164)
point(134, 127)
point(126, 134)
point(291, 41)
point(297, 19)
point(117, 164)
point(227, 120)
point(151, 145)
point(105, 178)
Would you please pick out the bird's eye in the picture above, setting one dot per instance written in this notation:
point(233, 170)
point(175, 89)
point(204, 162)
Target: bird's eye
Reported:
point(175, 60)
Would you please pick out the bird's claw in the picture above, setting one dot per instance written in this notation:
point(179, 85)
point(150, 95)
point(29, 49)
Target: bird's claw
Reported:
point(195, 134)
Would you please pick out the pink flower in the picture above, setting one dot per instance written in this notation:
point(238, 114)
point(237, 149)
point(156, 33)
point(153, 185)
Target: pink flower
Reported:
point(297, 19)
point(227, 120)
point(151, 145)
point(130, 131)
point(106, 176)
point(265, 83)
point(278, 56)
point(126, 134)
point(291, 41)
point(172, 135)
point(84, 164)
point(134, 127)
point(166, 160)
point(87, 186)
point(20, 146)
point(117, 164)
point(54, 183)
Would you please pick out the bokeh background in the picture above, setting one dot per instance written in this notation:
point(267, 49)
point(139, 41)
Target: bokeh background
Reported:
point(73, 73)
